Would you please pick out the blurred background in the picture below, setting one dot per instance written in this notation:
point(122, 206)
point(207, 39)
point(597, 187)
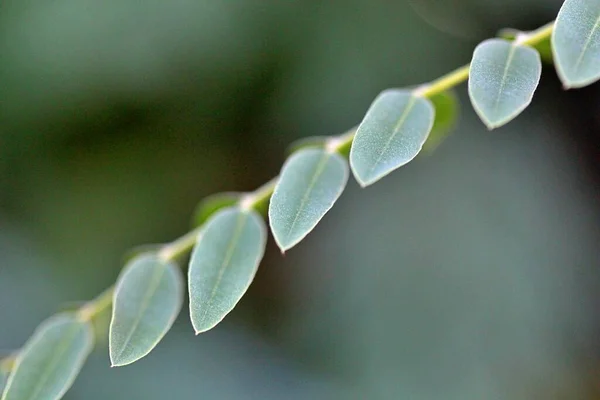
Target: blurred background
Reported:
point(471, 273)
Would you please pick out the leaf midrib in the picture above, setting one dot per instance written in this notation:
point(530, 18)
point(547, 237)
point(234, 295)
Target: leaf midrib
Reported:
point(239, 227)
point(409, 106)
point(319, 169)
point(510, 56)
point(154, 282)
point(586, 44)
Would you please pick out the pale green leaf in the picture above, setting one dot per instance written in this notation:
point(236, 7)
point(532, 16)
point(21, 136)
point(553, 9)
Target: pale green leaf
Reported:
point(502, 79)
point(50, 361)
point(447, 109)
point(576, 43)
point(3, 378)
point(310, 182)
point(213, 203)
point(147, 299)
point(391, 134)
point(223, 264)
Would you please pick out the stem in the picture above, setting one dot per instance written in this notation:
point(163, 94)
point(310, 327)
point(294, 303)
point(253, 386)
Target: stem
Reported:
point(444, 83)
point(537, 36)
point(97, 306)
point(259, 199)
point(180, 246)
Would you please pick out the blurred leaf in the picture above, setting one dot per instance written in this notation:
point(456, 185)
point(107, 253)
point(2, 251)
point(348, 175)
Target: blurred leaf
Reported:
point(576, 43)
point(147, 299)
point(311, 181)
point(223, 264)
point(544, 47)
point(391, 134)
point(51, 359)
point(502, 80)
point(213, 203)
point(446, 106)
point(307, 143)
point(6, 366)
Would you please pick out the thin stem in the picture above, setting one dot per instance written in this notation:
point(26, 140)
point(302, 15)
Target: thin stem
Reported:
point(537, 36)
point(444, 83)
point(97, 306)
point(259, 199)
point(180, 247)
point(342, 143)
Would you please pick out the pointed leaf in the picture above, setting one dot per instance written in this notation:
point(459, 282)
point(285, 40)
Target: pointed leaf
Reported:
point(310, 182)
point(51, 360)
point(576, 43)
point(502, 79)
point(213, 203)
point(391, 134)
point(223, 264)
point(446, 116)
point(147, 299)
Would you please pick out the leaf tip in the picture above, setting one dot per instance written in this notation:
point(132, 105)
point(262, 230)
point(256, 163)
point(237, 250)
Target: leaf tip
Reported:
point(362, 181)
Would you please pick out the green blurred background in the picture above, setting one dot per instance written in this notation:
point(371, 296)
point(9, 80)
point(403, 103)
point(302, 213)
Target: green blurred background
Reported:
point(471, 273)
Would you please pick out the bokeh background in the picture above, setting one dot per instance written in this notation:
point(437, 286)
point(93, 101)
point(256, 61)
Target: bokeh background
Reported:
point(471, 273)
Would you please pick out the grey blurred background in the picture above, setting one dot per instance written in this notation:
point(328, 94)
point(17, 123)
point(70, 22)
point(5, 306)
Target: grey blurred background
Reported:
point(471, 273)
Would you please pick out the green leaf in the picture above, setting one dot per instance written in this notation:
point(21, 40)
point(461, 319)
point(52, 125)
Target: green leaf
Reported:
point(313, 142)
point(310, 182)
point(576, 43)
point(3, 378)
point(446, 106)
point(213, 203)
point(502, 79)
point(147, 299)
point(391, 134)
point(50, 361)
point(223, 264)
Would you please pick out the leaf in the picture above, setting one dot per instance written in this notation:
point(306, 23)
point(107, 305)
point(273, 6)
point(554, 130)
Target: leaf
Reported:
point(50, 361)
point(223, 264)
point(391, 134)
point(502, 79)
point(213, 203)
point(310, 182)
point(446, 116)
point(147, 299)
point(3, 378)
point(311, 142)
point(576, 43)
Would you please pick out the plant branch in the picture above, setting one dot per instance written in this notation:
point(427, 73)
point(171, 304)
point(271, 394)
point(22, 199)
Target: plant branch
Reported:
point(259, 199)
